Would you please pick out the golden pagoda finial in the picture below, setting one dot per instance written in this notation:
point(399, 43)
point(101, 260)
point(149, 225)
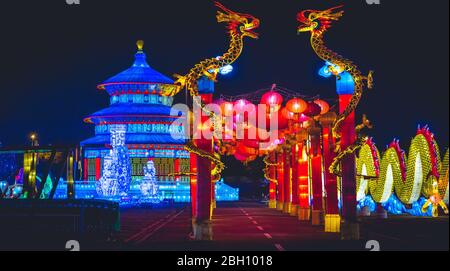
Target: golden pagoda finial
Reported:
point(140, 45)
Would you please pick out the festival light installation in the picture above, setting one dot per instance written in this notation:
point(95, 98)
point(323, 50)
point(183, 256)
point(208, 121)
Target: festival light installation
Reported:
point(136, 101)
point(317, 23)
point(239, 26)
point(116, 177)
point(420, 173)
point(149, 184)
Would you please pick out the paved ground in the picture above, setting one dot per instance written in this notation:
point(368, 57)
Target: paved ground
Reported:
point(241, 226)
point(244, 226)
point(252, 226)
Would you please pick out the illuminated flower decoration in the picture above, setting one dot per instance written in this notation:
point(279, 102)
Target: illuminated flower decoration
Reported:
point(435, 201)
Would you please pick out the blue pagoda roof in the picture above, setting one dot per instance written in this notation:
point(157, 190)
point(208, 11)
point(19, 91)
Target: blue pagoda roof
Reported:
point(135, 139)
point(139, 72)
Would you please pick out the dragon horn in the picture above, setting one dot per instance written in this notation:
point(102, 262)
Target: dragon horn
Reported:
point(336, 7)
point(219, 5)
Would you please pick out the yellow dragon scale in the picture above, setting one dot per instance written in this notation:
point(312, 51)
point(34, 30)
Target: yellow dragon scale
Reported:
point(418, 180)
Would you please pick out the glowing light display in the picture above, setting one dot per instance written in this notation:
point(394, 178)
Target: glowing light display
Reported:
point(116, 176)
point(149, 185)
point(227, 69)
point(419, 175)
point(173, 191)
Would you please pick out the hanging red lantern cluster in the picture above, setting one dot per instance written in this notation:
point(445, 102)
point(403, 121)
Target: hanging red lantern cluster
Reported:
point(254, 128)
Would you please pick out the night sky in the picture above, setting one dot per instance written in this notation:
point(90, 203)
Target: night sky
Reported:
point(53, 55)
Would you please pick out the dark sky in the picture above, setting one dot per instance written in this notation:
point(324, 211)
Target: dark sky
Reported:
point(53, 55)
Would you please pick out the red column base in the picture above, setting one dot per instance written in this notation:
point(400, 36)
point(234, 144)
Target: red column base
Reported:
point(202, 230)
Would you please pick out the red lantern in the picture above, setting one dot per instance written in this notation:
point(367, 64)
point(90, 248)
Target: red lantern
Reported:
point(287, 113)
point(296, 106)
point(324, 106)
point(251, 143)
point(312, 110)
point(241, 105)
point(283, 121)
point(244, 150)
point(273, 100)
point(240, 157)
point(303, 118)
point(227, 109)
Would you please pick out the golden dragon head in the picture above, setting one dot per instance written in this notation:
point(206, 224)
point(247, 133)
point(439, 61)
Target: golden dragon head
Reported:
point(243, 24)
point(316, 21)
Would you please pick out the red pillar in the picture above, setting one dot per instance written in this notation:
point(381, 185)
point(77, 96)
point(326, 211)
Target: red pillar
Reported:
point(332, 217)
point(98, 169)
point(86, 170)
point(176, 169)
point(203, 212)
point(294, 162)
point(213, 195)
point(316, 175)
point(272, 185)
point(348, 137)
point(193, 182)
point(303, 185)
point(201, 222)
point(287, 181)
point(280, 178)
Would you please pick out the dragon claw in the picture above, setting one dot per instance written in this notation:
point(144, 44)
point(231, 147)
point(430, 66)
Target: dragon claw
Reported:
point(180, 80)
point(370, 84)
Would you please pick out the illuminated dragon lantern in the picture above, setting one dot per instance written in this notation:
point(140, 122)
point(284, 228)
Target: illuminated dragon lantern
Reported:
point(239, 26)
point(422, 173)
point(317, 23)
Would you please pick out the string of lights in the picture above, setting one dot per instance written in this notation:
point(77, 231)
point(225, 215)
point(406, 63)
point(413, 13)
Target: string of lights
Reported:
point(255, 96)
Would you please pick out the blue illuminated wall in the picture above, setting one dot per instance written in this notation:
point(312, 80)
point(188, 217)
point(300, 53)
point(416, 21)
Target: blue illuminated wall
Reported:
point(176, 191)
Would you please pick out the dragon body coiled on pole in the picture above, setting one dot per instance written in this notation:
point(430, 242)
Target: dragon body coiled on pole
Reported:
point(317, 23)
point(239, 26)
